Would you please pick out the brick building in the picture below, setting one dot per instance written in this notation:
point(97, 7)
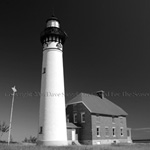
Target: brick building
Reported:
point(97, 120)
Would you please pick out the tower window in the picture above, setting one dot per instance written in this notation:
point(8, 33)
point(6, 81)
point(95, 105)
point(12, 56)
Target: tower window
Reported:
point(98, 131)
point(44, 70)
point(41, 130)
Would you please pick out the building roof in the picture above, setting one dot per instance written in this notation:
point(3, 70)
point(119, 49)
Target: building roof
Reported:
point(71, 126)
point(97, 105)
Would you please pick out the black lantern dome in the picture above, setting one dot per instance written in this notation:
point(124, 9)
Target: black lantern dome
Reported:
point(53, 32)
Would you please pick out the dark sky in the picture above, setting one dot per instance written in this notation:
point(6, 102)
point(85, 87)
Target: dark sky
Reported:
point(108, 48)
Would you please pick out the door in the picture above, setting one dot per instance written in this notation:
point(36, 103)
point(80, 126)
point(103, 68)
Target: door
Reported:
point(73, 135)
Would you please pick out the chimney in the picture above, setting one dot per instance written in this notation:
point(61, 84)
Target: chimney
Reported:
point(100, 94)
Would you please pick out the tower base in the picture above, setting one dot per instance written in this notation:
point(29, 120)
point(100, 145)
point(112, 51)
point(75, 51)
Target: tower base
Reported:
point(53, 143)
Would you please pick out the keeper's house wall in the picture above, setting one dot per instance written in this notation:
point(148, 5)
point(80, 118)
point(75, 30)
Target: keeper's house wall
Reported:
point(112, 129)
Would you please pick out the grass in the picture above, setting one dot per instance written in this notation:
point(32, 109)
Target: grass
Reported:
point(145, 146)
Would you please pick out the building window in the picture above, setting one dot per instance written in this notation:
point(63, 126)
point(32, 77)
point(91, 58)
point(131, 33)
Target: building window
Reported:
point(75, 118)
point(46, 39)
point(44, 70)
point(67, 118)
point(83, 117)
point(128, 133)
point(113, 120)
point(121, 120)
point(98, 131)
point(114, 131)
point(53, 38)
point(57, 39)
point(98, 118)
point(41, 130)
point(106, 131)
point(50, 38)
point(121, 131)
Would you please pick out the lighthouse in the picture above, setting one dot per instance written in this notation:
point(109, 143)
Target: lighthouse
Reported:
point(52, 114)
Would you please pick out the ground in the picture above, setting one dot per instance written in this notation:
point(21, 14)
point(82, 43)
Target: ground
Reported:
point(144, 146)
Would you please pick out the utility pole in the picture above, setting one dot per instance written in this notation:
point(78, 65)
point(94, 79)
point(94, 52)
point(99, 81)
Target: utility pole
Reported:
point(11, 113)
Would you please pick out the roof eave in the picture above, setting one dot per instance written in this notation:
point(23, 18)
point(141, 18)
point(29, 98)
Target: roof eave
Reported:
point(77, 103)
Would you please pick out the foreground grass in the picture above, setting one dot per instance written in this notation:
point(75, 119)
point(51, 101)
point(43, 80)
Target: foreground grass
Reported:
point(145, 146)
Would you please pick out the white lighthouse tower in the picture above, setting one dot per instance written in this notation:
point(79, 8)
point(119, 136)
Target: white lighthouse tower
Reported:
point(52, 116)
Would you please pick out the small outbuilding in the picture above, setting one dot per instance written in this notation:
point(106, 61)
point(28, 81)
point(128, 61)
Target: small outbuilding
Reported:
point(72, 133)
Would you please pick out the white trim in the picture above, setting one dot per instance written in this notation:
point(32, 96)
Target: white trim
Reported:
point(73, 103)
point(110, 141)
point(82, 113)
point(86, 106)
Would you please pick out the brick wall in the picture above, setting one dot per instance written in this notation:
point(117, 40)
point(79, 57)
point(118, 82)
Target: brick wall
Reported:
point(107, 122)
point(84, 132)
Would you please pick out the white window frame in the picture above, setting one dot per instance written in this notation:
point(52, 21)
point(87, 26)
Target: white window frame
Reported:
point(98, 127)
point(121, 131)
point(75, 117)
point(82, 113)
point(114, 133)
point(106, 127)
